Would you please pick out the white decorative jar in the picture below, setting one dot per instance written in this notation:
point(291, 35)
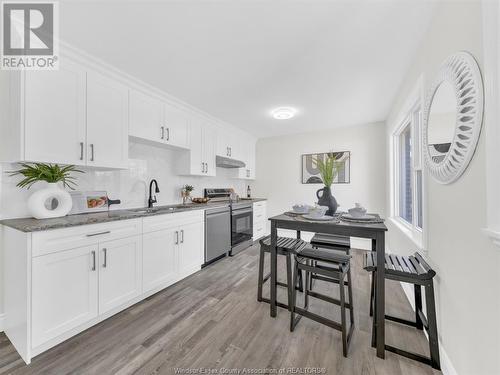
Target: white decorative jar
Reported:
point(52, 201)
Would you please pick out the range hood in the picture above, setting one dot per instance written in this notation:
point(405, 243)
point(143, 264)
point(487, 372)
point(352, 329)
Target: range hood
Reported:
point(223, 162)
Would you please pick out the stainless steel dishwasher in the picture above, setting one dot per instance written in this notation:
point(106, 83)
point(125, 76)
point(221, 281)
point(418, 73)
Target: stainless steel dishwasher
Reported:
point(217, 233)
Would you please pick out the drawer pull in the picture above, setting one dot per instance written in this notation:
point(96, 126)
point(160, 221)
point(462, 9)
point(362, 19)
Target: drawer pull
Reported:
point(98, 234)
point(93, 260)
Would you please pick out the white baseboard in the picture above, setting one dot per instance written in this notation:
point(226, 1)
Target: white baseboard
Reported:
point(2, 319)
point(446, 365)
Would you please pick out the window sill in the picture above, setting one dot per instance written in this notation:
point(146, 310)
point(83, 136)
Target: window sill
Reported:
point(413, 235)
point(493, 235)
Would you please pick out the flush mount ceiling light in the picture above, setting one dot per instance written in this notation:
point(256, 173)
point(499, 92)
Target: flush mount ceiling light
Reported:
point(283, 113)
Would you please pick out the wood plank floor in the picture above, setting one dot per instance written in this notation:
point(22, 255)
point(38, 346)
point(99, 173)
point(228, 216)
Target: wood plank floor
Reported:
point(212, 320)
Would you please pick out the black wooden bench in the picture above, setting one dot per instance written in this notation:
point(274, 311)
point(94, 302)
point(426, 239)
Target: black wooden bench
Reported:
point(411, 269)
point(286, 247)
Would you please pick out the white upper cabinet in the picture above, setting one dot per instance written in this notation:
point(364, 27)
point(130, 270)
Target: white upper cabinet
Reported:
point(247, 147)
point(157, 121)
point(71, 116)
point(84, 114)
point(200, 159)
point(226, 143)
point(54, 115)
point(209, 145)
point(176, 126)
point(146, 117)
point(251, 162)
point(107, 122)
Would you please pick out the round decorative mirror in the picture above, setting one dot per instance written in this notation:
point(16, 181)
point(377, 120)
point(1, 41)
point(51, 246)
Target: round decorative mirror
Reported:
point(453, 117)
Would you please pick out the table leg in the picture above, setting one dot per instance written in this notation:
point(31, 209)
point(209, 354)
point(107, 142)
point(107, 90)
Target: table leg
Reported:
point(379, 315)
point(298, 234)
point(274, 267)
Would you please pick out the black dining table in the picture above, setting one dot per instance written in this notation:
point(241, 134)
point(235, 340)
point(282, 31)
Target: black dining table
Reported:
point(373, 231)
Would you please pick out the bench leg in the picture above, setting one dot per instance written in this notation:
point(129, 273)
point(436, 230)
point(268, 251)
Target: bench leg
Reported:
point(431, 321)
point(343, 321)
point(372, 293)
point(418, 306)
point(294, 297)
point(261, 275)
point(349, 291)
point(290, 285)
point(374, 306)
point(307, 287)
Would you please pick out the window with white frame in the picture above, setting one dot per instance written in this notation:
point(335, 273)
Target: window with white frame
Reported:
point(408, 178)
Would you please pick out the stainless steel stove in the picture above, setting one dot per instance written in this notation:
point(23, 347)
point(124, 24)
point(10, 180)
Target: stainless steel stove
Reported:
point(241, 218)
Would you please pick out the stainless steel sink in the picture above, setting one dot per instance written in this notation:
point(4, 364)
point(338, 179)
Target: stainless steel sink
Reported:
point(157, 209)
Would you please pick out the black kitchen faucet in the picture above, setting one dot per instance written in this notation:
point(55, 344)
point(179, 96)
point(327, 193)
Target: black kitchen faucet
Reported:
point(152, 198)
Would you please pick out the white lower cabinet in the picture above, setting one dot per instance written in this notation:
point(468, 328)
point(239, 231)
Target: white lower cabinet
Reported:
point(64, 292)
point(158, 260)
point(259, 220)
point(190, 249)
point(120, 268)
point(63, 281)
point(173, 248)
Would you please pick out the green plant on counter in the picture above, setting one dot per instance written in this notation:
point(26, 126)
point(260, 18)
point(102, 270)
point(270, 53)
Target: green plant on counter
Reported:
point(188, 188)
point(328, 168)
point(51, 173)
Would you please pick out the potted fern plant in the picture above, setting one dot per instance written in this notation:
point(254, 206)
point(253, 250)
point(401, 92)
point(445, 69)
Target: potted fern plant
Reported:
point(53, 200)
point(328, 170)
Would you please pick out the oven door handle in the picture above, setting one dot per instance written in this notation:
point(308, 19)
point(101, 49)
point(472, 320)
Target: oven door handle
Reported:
point(241, 212)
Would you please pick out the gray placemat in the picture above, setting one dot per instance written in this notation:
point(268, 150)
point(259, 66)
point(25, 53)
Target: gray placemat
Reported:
point(375, 220)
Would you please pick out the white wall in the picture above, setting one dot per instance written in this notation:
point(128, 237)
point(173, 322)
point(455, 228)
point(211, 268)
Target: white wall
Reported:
point(131, 186)
point(279, 168)
point(467, 264)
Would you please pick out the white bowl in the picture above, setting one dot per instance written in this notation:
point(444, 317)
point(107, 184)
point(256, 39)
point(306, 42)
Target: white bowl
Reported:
point(301, 208)
point(318, 211)
point(357, 212)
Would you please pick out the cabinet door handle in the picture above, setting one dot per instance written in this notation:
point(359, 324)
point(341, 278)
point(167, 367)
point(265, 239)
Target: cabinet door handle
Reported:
point(98, 234)
point(227, 151)
point(176, 237)
point(182, 235)
point(230, 151)
point(91, 152)
point(81, 150)
point(93, 260)
point(202, 167)
point(105, 262)
point(162, 128)
point(168, 134)
point(206, 167)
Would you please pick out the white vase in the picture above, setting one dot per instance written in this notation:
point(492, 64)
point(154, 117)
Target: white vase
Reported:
point(52, 201)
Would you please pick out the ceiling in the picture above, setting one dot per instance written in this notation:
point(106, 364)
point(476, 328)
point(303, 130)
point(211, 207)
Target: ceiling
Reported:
point(338, 62)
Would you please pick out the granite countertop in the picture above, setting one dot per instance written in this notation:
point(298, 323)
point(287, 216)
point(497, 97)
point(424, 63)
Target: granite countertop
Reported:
point(34, 225)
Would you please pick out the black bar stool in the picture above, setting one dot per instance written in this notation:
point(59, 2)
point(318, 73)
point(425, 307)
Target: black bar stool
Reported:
point(334, 267)
point(414, 270)
point(332, 242)
point(286, 247)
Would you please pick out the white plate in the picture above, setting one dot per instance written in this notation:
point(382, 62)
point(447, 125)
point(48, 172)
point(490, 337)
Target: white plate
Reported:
point(366, 217)
point(321, 218)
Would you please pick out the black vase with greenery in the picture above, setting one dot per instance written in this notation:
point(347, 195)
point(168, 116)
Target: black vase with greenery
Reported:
point(328, 169)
